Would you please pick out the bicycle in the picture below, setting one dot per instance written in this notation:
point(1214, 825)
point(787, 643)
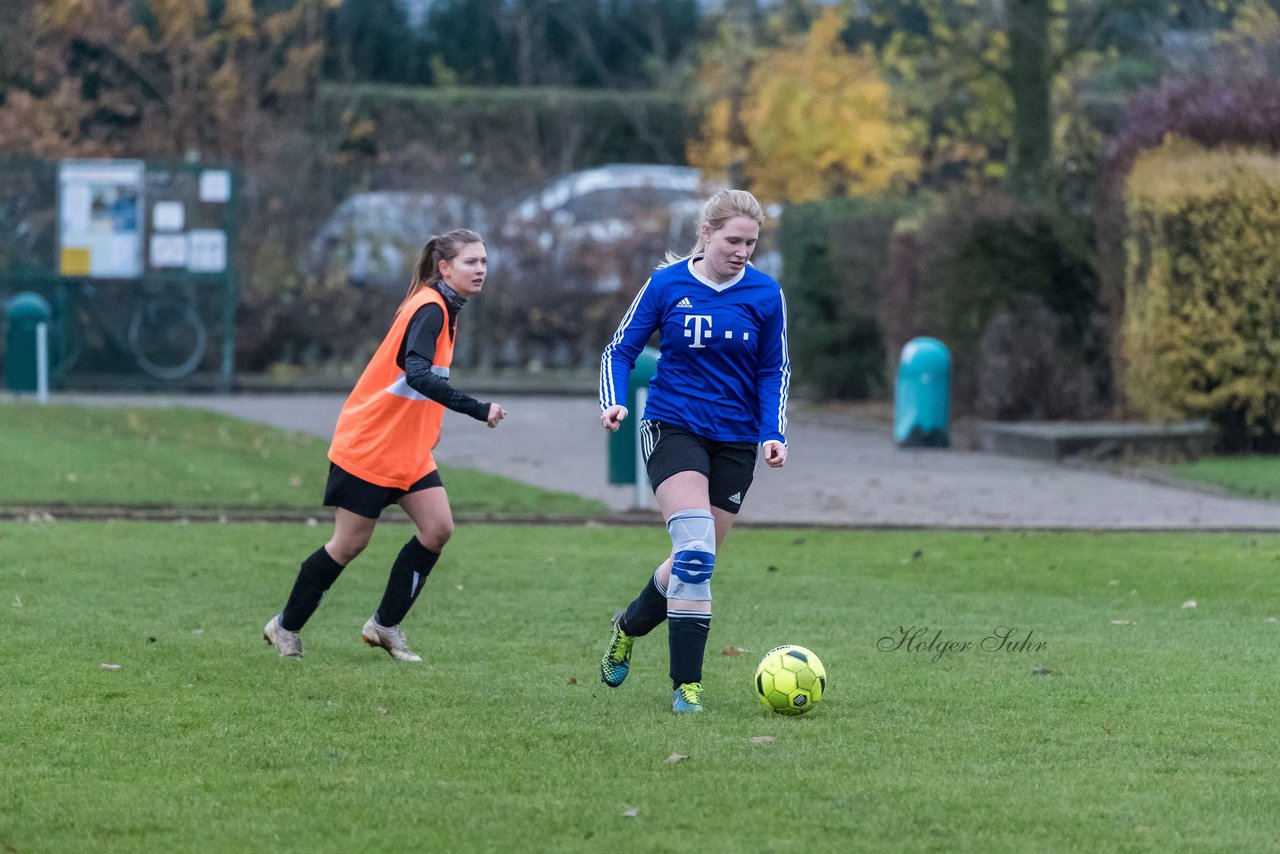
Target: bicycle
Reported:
point(163, 333)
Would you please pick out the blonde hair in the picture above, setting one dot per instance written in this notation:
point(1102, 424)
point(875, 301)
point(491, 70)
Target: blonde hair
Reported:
point(718, 210)
point(441, 247)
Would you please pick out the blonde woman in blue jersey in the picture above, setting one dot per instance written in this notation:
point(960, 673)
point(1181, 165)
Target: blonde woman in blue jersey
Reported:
point(719, 397)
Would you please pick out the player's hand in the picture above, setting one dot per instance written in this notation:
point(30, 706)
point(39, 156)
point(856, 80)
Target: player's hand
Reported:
point(613, 417)
point(496, 414)
point(775, 454)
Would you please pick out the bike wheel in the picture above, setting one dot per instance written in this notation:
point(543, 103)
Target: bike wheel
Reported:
point(167, 337)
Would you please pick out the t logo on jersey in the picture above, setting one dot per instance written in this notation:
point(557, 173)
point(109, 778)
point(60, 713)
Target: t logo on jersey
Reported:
point(701, 328)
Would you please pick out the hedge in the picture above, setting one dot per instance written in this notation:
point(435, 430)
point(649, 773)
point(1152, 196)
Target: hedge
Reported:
point(834, 253)
point(1201, 328)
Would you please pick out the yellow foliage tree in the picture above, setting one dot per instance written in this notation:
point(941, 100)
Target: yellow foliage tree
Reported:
point(814, 120)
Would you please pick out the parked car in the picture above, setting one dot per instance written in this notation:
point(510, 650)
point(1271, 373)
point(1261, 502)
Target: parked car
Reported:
point(373, 239)
point(564, 261)
point(603, 229)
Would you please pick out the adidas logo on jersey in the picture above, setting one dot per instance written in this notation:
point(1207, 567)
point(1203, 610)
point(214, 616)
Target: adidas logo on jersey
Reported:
point(684, 303)
point(736, 498)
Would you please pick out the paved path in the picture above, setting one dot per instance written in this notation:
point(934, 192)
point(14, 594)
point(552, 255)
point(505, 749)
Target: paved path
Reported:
point(838, 473)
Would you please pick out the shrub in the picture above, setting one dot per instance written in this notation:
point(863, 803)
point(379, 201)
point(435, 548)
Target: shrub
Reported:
point(1023, 372)
point(986, 257)
point(1201, 328)
point(833, 254)
point(1235, 110)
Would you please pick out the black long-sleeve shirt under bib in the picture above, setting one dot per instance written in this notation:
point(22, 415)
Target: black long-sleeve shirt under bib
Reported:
point(416, 354)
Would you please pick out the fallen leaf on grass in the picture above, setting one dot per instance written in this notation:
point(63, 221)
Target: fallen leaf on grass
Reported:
point(1190, 603)
point(761, 739)
point(106, 666)
point(676, 757)
point(383, 710)
point(732, 650)
point(573, 680)
point(630, 812)
point(17, 601)
point(1042, 671)
point(457, 587)
point(1122, 622)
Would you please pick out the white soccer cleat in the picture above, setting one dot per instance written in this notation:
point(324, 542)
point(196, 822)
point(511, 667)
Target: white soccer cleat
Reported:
point(389, 638)
point(287, 643)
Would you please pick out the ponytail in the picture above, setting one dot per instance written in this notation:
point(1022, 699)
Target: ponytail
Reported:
point(442, 247)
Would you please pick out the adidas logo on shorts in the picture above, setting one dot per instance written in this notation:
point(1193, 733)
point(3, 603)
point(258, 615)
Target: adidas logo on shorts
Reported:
point(684, 303)
point(736, 498)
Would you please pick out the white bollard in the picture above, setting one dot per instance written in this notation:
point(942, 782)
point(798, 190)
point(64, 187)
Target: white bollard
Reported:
point(42, 362)
point(642, 475)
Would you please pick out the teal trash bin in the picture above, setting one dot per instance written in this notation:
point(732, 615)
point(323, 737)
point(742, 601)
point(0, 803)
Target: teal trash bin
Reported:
point(23, 315)
point(622, 444)
point(922, 395)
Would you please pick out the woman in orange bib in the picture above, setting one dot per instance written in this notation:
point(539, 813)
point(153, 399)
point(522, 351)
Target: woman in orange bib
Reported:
point(381, 450)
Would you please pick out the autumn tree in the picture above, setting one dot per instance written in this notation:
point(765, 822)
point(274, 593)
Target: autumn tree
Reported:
point(817, 121)
point(157, 78)
point(985, 76)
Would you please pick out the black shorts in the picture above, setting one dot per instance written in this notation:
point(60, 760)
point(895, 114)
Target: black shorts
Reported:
point(728, 466)
point(367, 499)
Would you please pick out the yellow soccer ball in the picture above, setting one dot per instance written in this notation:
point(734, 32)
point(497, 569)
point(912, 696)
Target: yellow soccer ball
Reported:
point(790, 680)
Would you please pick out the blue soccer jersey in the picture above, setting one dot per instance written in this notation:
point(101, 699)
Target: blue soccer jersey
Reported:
point(723, 372)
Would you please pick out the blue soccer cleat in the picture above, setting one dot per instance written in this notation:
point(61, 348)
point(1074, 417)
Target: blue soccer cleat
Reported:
point(687, 698)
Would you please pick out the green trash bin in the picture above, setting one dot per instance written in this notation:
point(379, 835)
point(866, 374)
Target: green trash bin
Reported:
point(622, 444)
point(23, 361)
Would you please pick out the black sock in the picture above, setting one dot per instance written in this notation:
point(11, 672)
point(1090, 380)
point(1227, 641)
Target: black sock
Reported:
point(646, 612)
point(408, 574)
point(317, 575)
point(687, 641)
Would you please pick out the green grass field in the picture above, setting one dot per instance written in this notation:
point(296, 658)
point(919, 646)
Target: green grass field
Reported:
point(1140, 725)
point(189, 459)
point(1254, 477)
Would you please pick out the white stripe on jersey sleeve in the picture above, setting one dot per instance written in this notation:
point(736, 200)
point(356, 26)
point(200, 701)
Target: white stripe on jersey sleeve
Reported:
point(608, 391)
point(786, 370)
